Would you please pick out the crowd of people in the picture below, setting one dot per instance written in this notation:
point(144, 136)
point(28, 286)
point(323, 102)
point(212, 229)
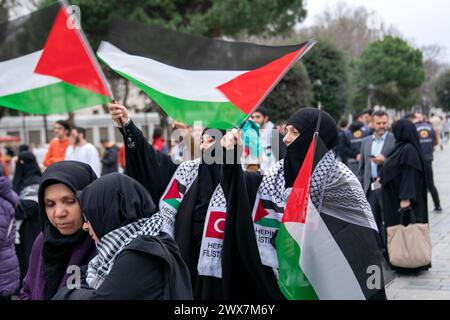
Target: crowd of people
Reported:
point(394, 166)
point(142, 234)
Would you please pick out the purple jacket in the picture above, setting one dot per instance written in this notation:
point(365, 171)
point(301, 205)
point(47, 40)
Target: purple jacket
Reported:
point(9, 265)
point(34, 282)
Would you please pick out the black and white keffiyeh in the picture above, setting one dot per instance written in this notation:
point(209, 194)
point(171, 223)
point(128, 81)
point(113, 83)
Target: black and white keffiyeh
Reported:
point(112, 244)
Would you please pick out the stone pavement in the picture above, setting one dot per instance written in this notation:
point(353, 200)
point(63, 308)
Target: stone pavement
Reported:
point(433, 284)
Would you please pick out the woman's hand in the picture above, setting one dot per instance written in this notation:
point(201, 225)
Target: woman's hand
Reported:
point(230, 139)
point(405, 204)
point(119, 113)
point(179, 125)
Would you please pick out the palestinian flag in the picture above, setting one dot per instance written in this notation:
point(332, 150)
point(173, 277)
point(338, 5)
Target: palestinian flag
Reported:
point(47, 66)
point(195, 78)
point(267, 214)
point(318, 255)
point(173, 196)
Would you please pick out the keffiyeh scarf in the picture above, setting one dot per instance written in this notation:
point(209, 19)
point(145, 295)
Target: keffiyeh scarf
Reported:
point(114, 242)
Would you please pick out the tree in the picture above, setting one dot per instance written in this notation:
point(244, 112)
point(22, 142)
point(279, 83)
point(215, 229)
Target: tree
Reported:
point(351, 29)
point(293, 91)
point(433, 68)
point(442, 91)
point(205, 17)
point(396, 71)
point(4, 14)
point(325, 62)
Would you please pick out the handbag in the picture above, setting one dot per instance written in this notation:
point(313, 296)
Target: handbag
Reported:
point(409, 246)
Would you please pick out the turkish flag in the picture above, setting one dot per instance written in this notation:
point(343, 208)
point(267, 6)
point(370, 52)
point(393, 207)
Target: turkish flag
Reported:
point(216, 225)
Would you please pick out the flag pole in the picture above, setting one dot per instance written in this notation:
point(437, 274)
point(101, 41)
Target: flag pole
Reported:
point(319, 118)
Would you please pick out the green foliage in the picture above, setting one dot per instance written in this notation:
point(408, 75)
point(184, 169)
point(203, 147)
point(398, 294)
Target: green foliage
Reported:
point(293, 92)
point(325, 62)
point(206, 17)
point(442, 90)
point(394, 68)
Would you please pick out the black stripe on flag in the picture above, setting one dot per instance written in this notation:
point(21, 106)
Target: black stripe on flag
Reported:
point(360, 248)
point(191, 52)
point(26, 34)
point(267, 204)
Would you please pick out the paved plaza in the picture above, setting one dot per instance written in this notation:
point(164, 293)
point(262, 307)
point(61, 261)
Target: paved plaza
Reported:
point(433, 284)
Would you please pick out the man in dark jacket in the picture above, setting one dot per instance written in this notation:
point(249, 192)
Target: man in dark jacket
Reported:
point(374, 151)
point(428, 140)
point(110, 157)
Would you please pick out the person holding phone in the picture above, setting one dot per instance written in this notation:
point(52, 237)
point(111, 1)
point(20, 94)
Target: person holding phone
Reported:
point(374, 150)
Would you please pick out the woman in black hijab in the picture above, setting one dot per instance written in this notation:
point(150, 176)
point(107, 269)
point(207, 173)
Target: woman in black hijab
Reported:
point(249, 276)
point(256, 204)
point(27, 171)
point(135, 260)
point(300, 130)
point(403, 176)
point(26, 183)
point(62, 242)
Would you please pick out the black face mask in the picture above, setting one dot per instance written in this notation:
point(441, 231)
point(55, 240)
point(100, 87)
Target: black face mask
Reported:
point(305, 121)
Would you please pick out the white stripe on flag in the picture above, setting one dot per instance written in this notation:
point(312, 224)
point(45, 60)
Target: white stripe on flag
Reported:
point(180, 83)
point(322, 261)
point(17, 75)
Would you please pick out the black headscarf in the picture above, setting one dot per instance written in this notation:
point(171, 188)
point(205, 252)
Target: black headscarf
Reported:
point(305, 121)
point(208, 179)
point(27, 171)
point(58, 248)
point(407, 151)
point(113, 201)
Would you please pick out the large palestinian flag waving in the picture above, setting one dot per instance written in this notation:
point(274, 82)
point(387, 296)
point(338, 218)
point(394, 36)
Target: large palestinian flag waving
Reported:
point(195, 78)
point(47, 66)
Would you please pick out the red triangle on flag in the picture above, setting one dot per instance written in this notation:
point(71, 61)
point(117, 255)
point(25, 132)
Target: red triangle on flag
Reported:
point(173, 192)
point(66, 57)
point(260, 212)
point(297, 205)
point(248, 89)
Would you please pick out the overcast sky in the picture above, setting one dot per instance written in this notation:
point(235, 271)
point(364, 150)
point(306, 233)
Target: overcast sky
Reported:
point(420, 22)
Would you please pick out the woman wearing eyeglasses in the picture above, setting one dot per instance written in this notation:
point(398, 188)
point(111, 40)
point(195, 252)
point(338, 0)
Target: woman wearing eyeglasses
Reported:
point(62, 241)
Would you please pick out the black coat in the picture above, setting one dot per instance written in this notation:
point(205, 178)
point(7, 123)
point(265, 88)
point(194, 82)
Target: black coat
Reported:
point(110, 160)
point(149, 268)
point(409, 184)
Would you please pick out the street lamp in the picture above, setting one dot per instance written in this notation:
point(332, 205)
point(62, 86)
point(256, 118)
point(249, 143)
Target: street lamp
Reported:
point(425, 105)
point(370, 90)
point(446, 100)
point(317, 85)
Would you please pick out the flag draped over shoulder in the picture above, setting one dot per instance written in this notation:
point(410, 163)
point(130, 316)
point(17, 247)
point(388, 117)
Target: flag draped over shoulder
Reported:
point(195, 78)
point(325, 244)
point(47, 66)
